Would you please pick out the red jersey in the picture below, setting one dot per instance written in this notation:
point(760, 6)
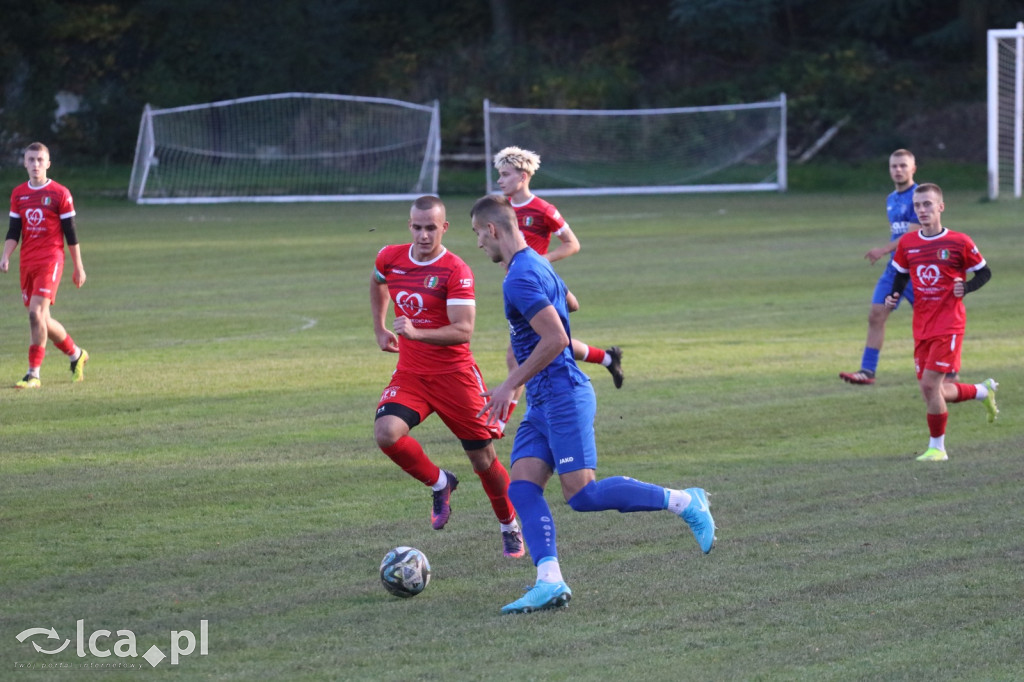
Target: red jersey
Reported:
point(41, 209)
point(422, 292)
point(538, 220)
point(934, 263)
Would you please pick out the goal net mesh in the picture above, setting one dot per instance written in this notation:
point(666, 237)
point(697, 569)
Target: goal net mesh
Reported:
point(287, 147)
point(693, 149)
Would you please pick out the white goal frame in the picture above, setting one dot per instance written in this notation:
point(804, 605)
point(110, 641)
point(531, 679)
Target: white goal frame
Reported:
point(264, 152)
point(523, 138)
point(1006, 111)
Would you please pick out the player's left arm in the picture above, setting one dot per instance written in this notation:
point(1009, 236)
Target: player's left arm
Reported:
point(71, 237)
point(568, 245)
point(981, 276)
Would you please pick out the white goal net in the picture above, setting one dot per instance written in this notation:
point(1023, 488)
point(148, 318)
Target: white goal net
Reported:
point(726, 148)
point(287, 147)
point(1005, 111)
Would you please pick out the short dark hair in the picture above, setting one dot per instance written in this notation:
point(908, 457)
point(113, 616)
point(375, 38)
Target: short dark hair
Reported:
point(496, 210)
point(37, 147)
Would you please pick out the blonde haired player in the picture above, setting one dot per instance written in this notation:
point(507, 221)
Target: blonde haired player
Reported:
point(538, 221)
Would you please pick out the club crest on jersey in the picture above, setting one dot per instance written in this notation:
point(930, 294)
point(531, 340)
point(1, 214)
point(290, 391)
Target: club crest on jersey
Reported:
point(431, 282)
point(528, 221)
point(46, 201)
point(943, 254)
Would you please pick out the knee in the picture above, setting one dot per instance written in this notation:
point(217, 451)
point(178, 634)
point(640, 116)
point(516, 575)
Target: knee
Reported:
point(387, 433)
point(585, 499)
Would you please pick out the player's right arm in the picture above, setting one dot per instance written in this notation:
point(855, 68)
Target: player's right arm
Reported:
point(553, 340)
point(11, 243)
point(380, 301)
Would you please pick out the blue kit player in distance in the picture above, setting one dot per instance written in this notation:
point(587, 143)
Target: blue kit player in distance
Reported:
point(899, 208)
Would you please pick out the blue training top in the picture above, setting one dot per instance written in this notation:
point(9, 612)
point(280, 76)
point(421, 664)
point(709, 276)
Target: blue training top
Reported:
point(531, 285)
point(899, 208)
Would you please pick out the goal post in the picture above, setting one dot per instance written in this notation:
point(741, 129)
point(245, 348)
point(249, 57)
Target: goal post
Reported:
point(724, 148)
point(287, 147)
point(1006, 111)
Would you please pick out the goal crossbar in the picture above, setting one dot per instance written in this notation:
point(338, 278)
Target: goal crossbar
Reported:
point(717, 148)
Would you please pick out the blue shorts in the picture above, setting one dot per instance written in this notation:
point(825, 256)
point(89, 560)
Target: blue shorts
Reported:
point(560, 431)
point(884, 288)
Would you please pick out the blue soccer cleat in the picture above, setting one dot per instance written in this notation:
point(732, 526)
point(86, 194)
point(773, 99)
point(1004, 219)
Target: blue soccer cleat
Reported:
point(543, 595)
point(698, 517)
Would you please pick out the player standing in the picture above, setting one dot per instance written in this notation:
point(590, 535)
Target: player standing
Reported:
point(935, 260)
point(435, 307)
point(556, 435)
point(899, 208)
point(538, 221)
point(43, 217)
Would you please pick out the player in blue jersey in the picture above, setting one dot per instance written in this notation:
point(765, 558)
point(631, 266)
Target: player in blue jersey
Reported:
point(899, 208)
point(556, 435)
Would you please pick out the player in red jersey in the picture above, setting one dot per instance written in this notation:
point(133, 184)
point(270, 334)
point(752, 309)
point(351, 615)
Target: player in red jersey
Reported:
point(43, 217)
point(936, 260)
point(435, 309)
point(538, 221)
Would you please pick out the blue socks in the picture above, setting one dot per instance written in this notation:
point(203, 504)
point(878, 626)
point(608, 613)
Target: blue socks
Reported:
point(870, 359)
point(535, 519)
point(621, 493)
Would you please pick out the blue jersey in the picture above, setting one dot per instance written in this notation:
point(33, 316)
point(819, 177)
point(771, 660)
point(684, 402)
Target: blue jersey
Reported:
point(530, 286)
point(899, 208)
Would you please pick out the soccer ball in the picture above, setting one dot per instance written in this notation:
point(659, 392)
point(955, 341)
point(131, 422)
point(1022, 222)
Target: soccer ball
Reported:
point(405, 571)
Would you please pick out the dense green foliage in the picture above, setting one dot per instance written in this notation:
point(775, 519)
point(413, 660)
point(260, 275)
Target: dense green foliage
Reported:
point(879, 63)
point(218, 461)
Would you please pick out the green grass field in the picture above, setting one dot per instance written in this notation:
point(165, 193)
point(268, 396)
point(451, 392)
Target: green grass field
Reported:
point(218, 462)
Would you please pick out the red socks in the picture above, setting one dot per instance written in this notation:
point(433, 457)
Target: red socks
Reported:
point(495, 482)
point(937, 424)
point(408, 454)
point(595, 355)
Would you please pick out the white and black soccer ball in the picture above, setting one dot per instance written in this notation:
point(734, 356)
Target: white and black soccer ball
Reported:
point(405, 571)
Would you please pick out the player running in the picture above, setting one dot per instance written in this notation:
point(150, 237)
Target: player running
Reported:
point(556, 434)
point(538, 221)
point(435, 307)
point(935, 260)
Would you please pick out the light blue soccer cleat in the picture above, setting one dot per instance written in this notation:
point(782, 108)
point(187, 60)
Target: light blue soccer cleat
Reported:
point(698, 517)
point(543, 595)
point(990, 401)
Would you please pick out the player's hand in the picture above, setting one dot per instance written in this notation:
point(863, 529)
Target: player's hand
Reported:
point(5, 263)
point(78, 277)
point(875, 254)
point(403, 326)
point(891, 300)
point(497, 404)
point(387, 341)
point(958, 287)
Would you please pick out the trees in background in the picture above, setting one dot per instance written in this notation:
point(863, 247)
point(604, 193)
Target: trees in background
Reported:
point(873, 63)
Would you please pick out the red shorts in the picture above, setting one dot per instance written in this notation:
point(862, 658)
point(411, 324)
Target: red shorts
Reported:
point(940, 354)
point(454, 396)
point(41, 279)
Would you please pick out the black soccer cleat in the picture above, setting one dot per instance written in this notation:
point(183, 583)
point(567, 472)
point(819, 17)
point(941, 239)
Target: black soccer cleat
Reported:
point(616, 367)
